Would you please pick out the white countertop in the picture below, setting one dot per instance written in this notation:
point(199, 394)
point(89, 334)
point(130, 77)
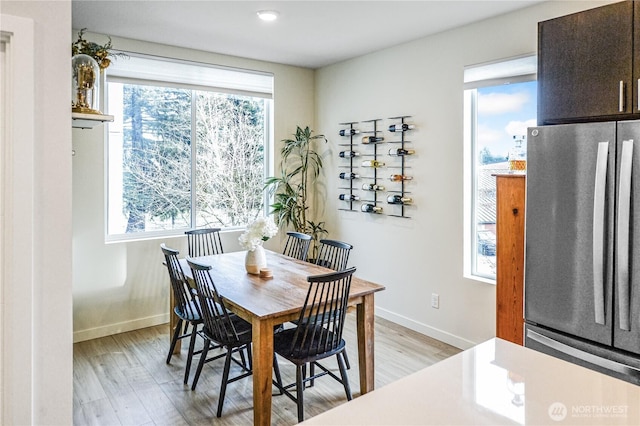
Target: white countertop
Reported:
point(495, 383)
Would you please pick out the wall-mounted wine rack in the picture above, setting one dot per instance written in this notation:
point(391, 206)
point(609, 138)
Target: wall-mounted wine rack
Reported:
point(370, 160)
point(403, 200)
point(372, 137)
point(347, 194)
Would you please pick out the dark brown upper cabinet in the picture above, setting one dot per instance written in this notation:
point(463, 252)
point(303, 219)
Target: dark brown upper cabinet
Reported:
point(587, 67)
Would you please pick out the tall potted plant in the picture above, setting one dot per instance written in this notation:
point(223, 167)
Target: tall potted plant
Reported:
point(300, 167)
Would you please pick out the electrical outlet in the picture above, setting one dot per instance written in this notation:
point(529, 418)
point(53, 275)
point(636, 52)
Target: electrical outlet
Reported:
point(435, 300)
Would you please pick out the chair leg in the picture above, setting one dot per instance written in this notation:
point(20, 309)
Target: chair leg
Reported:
point(250, 355)
point(312, 372)
point(243, 359)
point(203, 358)
point(174, 339)
point(346, 360)
point(192, 344)
point(299, 392)
point(304, 375)
point(225, 379)
point(276, 370)
point(343, 374)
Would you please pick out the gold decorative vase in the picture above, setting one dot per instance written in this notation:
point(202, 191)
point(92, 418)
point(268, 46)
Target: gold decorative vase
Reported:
point(85, 84)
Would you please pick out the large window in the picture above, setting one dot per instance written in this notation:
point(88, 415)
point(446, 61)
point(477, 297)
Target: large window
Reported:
point(189, 148)
point(500, 103)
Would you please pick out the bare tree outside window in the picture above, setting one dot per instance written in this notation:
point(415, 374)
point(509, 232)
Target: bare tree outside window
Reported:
point(165, 130)
point(230, 159)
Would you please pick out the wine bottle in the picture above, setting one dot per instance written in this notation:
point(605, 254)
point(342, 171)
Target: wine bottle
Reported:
point(372, 163)
point(347, 197)
point(399, 178)
point(372, 187)
point(349, 175)
point(349, 154)
point(401, 127)
point(371, 208)
point(372, 139)
point(349, 132)
point(401, 151)
point(399, 199)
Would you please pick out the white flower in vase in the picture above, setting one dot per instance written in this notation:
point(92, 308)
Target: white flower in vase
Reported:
point(251, 240)
point(258, 232)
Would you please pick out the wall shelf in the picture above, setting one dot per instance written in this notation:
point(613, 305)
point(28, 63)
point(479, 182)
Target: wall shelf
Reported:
point(88, 121)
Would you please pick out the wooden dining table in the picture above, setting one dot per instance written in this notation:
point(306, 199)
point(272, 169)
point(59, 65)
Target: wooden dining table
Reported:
point(267, 302)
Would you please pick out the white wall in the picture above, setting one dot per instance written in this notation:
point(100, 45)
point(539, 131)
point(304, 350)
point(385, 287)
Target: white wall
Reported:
point(123, 286)
point(49, 373)
point(424, 255)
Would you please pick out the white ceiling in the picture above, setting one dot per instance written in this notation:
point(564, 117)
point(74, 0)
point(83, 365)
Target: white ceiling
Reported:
point(308, 33)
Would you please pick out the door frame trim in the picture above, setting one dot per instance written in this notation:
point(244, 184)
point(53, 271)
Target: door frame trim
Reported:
point(17, 227)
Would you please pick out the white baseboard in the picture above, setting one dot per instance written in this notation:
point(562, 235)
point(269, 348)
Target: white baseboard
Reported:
point(120, 327)
point(435, 333)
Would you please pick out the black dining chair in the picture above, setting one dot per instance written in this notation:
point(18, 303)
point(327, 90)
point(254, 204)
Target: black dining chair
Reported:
point(204, 242)
point(297, 245)
point(333, 254)
point(187, 308)
point(318, 334)
point(221, 328)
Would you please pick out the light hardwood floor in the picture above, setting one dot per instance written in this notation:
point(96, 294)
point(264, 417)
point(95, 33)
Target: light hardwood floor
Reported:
point(124, 380)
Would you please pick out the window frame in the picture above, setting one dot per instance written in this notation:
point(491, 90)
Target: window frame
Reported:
point(120, 75)
point(513, 70)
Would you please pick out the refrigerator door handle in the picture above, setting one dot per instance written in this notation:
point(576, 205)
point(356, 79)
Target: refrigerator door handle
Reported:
point(582, 355)
point(622, 234)
point(599, 196)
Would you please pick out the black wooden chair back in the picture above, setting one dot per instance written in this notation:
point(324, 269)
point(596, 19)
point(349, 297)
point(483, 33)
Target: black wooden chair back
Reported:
point(297, 245)
point(318, 335)
point(187, 308)
point(185, 304)
point(217, 319)
point(334, 254)
point(321, 320)
point(220, 327)
point(204, 242)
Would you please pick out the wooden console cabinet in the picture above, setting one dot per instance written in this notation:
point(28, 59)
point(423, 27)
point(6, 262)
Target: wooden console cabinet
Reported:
point(510, 211)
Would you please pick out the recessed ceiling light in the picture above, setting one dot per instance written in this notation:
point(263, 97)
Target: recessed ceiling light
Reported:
point(268, 15)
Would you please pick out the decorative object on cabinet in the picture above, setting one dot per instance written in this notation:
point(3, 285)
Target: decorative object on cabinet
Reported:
point(346, 196)
point(300, 167)
point(518, 156)
point(607, 89)
point(510, 221)
point(399, 198)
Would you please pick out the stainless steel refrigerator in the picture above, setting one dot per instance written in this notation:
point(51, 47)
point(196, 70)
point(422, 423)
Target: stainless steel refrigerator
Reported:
point(582, 250)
